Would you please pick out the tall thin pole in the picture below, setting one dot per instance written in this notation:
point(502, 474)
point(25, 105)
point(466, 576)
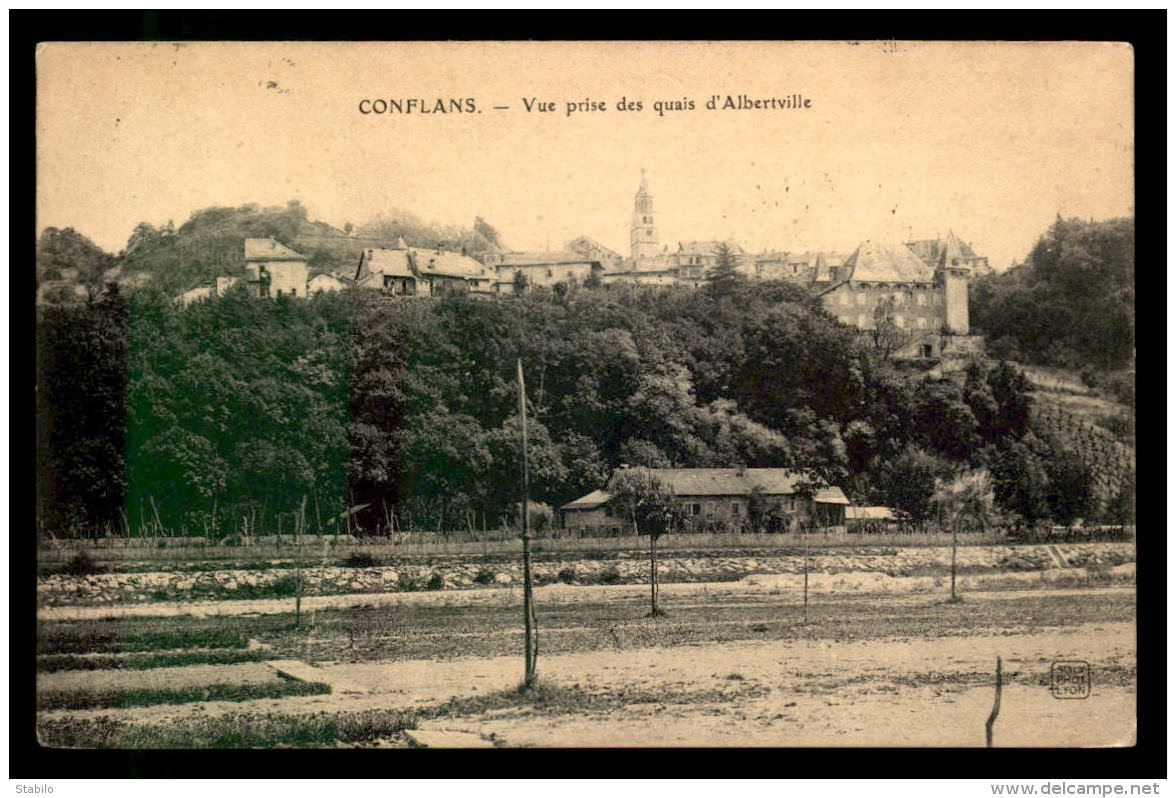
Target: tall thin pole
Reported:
point(804, 537)
point(995, 707)
point(530, 651)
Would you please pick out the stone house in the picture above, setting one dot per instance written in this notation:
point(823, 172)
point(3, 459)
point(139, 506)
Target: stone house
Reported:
point(587, 512)
point(541, 268)
point(594, 250)
point(695, 259)
point(273, 269)
point(325, 282)
point(718, 498)
point(415, 271)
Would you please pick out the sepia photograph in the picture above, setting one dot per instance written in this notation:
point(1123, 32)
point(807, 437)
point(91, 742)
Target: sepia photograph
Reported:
point(585, 394)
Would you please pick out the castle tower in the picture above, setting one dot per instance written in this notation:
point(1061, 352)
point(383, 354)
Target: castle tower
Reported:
point(953, 270)
point(643, 231)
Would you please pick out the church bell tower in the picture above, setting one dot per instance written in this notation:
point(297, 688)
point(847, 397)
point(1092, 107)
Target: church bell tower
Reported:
point(643, 232)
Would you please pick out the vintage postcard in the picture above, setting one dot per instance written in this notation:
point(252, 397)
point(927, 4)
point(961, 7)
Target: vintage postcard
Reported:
point(585, 394)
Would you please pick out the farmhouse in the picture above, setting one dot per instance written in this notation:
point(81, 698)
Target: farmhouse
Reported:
point(725, 497)
point(273, 269)
point(541, 268)
point(321, 281)
point(414, 271)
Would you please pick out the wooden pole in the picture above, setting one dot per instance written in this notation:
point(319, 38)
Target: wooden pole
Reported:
point(955, 531)
point(804, 537)
point(995, 707)
point(528, 617)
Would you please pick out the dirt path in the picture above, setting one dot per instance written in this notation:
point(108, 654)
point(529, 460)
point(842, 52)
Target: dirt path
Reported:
point(806, 693)
point(788, 586)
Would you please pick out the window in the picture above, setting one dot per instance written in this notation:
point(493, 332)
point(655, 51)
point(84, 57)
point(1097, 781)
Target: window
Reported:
point(735, 509)
point(898, 321)
point(844, 299)
point(925, 350)
point(696, 509)
point(293, 292)
point(898, 298)
point(649, 232)
point(549, 272)
point(921, 298)
point(279, 292)
point(861, 299)
point(791, 502)
point(922, 323)
point(861, 320)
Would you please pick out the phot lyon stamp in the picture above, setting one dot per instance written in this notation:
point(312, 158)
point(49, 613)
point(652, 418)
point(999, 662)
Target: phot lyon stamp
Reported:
point(1070, 679)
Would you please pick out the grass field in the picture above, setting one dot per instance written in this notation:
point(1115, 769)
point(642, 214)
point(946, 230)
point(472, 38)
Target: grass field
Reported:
point(712, 665)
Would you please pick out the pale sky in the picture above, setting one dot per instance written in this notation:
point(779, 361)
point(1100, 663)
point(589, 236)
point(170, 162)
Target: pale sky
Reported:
point(901, 140)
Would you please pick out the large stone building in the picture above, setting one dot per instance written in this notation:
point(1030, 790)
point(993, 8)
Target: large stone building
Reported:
point(887, 284)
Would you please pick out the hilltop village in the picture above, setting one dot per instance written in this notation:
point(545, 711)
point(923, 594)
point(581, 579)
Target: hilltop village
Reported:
point(917, 289)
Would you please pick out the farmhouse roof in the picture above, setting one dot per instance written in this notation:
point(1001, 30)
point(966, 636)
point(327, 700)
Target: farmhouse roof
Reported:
point(706, 247)
point(328, 273)
point(586, 242)
point(739, 482)
point(448, 264)
point(556, 257)
point(589, 502)
point(269, 249)
point(877, 262)
point(392, 262)
point(401, 263)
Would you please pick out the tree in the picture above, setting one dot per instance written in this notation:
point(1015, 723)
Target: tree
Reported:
point(724, 278)
point(910, 480)
point(520, 282)
point(1071, 303)
point(1121, 508)
point(888, 337)
point(967, 497)
point(483, 228)
point(1020, 483)
point(758, 508)
point(653, 510)
point(1071, 486)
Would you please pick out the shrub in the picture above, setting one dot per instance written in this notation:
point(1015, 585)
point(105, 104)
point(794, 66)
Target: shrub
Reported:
point(567, 575)
point(485, 575)
point(408, 581)
point(360, 559)
point(285, 586)
point(436, 582)
point(82, 565)
point(610, 576)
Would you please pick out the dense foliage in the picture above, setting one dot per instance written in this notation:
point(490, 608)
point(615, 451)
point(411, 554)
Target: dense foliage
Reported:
point(255, 414)
point(1071, 304)
point(65, 254)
